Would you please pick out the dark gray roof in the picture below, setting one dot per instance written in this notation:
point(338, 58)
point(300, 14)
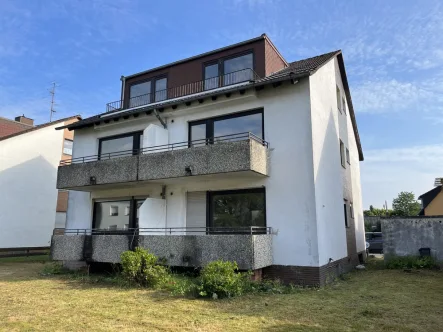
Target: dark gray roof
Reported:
point(309, 65)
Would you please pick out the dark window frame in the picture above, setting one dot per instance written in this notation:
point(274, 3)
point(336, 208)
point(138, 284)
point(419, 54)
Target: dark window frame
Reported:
point(210, 212)
point(209, 122)
point(132, 210)
point(221, 64)
point(342, 154)
point(135, 142)
point(346, 214)
point(153, 81)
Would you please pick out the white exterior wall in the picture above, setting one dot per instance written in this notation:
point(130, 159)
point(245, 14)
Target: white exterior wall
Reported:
point(290, 198)
point(327, 166)
point(28, 194)
point(351, 175)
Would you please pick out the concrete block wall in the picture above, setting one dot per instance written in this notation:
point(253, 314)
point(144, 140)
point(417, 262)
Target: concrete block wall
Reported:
point(405, 236)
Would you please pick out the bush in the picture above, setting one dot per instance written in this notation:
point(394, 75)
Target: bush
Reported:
point(143, 268)
point(54, 268)
point(411, 262)
point(223, 279)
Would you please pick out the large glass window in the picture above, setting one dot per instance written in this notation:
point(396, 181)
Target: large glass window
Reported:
point(112, 216)
point(250, 121)
point(211, 76)
point(237, 69)
point(197, 134)
point(140, 94)
point(241, 124)
point(120, 146)
point(237, 208)
point(161, 89)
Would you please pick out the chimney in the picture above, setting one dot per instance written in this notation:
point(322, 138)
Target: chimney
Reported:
point(23, 119)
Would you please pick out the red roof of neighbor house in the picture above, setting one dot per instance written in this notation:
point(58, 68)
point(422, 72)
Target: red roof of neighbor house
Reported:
point(32, 128)
point(10, 127)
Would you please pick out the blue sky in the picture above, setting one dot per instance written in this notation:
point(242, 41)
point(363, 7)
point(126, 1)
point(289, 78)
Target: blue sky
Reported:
point(393, 52)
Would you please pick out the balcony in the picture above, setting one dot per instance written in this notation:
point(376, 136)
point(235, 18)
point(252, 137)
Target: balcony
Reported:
point(213, 83)
point(243, 152)
point(250, 247)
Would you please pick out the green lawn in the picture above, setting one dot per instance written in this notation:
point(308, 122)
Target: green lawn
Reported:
point(373, 300)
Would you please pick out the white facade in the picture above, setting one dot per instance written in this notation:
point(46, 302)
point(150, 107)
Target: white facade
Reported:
point(306, 185)
point(28, 194)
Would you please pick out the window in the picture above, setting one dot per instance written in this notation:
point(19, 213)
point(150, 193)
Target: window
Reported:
point(346, 214)
point(116, 215)
point(250, 121)
point(338, 99)
point(237, 208)
point(120, 146)
point(107, 216)
point(148, 92)
point(237, 69)
point(344, 104)
point(211, 76)
point(67, 146)
point(351, 210)
point(347, 156)
point(160, 89)
point(229, 71)
point(342, 154)
point(140, 94)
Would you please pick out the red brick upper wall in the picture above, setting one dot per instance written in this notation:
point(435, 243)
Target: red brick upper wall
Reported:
point(9, 127)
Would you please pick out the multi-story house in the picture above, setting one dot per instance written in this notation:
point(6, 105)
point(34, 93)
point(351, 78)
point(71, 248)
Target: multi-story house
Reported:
point(30, 205)
point(233, 154)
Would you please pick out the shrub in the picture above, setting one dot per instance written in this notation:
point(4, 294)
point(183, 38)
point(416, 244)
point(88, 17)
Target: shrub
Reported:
point(54, 268)
point(143, 268)
point(223, 279)
point(411, 262)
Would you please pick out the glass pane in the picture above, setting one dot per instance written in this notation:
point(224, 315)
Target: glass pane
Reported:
point(198, 132)
point(238, 210)
point(243, 124)
point(160, 89)
point(67, 147)
point(211, 76)
point(140, 94)
point(238, 69)
point(112, 215)
point(118, 147)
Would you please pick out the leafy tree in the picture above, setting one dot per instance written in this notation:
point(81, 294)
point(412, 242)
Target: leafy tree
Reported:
point(406, 205)
point(375, 212)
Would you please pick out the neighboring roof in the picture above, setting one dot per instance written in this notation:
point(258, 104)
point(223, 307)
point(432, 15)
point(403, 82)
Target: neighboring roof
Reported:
point(9, 127)
point(295, 70)
point(429, 196)
point(263, 36)
point(40, 127)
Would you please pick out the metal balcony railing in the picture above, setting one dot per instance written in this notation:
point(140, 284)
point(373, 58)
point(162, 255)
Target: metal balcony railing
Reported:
point(240, 76)
point(166, 231)
point(166, 147)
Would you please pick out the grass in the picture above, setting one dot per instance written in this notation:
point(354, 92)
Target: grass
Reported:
point(373, 300)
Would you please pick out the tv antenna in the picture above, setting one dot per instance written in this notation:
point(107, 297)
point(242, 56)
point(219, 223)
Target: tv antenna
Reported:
point(52, 93)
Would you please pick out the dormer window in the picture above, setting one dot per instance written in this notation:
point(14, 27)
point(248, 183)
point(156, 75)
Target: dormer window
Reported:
point(228, 71)
point(147, 92)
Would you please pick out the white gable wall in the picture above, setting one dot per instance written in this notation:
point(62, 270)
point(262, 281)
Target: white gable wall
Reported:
point(28, 194)
point(327, 167)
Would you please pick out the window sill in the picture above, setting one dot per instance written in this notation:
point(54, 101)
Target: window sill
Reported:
point(344, 166)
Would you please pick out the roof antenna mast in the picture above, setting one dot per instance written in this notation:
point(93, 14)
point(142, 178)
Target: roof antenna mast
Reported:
point(52, 92)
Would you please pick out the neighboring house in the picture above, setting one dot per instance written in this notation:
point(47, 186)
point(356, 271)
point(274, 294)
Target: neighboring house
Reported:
point(234, 154)
point(28, 173)
point(9, 127)
point(432, 201)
